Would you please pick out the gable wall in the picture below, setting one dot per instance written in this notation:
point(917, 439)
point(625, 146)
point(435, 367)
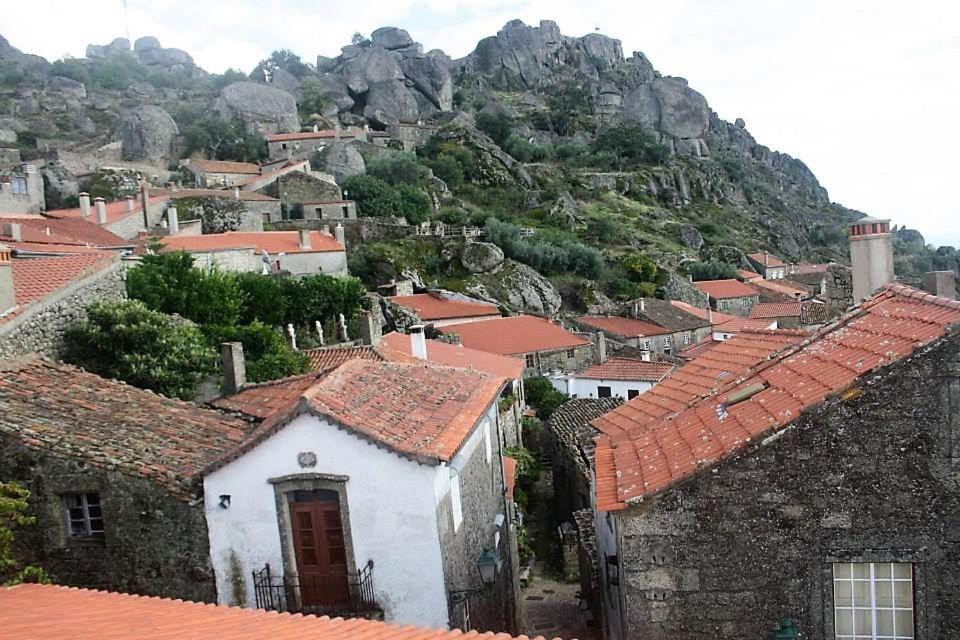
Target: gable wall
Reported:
point(873, 479)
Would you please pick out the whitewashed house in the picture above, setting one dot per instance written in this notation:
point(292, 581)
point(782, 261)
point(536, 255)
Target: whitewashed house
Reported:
point(376, 487)
point(624, 378)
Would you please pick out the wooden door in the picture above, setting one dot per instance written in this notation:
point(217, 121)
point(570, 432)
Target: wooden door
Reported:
point(319, 546)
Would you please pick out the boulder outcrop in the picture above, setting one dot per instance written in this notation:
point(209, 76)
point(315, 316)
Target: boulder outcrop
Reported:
point(263, 109)
point(147, 133)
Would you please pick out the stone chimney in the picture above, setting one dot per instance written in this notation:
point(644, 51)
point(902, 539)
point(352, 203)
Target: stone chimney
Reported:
point(600, 346)
point(304, 238)
point(84, 204)
point(128, 204)
point(643, 305)
point(370, 330)
point(710, 315)
point(101, 208)
point(339, 235)
point(13, 230)
point(418, 342)
point(8, 294)
point(234, 367)
point(173, 222)
point(236, 193)
point(871, 255)
point(939, 283)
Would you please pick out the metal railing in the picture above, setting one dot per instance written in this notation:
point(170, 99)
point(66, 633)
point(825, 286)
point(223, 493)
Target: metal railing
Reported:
point(343, 595)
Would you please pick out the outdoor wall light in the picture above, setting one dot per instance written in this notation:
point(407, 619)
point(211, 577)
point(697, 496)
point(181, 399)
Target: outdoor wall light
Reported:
point(488, 564)
point(225, 501)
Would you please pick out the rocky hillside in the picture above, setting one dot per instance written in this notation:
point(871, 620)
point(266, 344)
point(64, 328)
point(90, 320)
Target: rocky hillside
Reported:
point(566, 136)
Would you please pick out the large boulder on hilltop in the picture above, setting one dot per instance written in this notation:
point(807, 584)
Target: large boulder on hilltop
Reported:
point(391, 38)
point(263, 109)
point(67, 87)
point(684, 113)
point(374, 64)
point(165, 57)
point(602, 52)
point(480, 257)
point(430, 77)
point(391, 102)
point(147, 133)
point(528, 52)
point(116, 46)
point(519, 287)
point(341, 161)
point(640, 106)
point(146, 43)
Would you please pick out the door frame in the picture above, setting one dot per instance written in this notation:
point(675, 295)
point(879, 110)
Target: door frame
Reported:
point(312, 482)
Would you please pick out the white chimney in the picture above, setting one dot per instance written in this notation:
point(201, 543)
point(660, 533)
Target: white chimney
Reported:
point(101, 208)
point(292, 334)
point(709, 314)
point(128, 204)
point(84, 204)
point(339, 235)
point(173, 222)
point(418, 342)
point(234, 367)
point(304, 238)
point(13, 230)
point(8, 294)
point(601, 347)
point(325, 229)
point(871, 256)
point(643, 305)
point(236, 193)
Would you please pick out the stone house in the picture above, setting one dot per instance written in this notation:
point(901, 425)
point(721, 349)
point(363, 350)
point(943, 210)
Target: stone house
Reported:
point(377, 484)
point(326, 210)
point(112, 474)
point(815, 483)
point(768, 265)
point(302, 252)
point(788, 315)
point(21, 189)
point(219, 174)
point(124, 218)
point(780, 290)
point(639, 334)
point(730, 296)
point(442, 310)
point(302, 145)
point(688, 328)
point(257, 207)
point(623, 378)
point(544, 346)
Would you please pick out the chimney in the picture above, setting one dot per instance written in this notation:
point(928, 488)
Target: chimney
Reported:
point(636, 310)
point(101, 208)
point(939, 283)
point(173, 222)
point(128, 204)
point(8, 295)
point(13, 230)
point(418, 342)
point(710, 315)
point(600, 344)
point(325, 230)
point(871, 255)
point(304, 238)
point(370, 331)
point(84, 204)
point(339, 235)
point(236, 193)
point(234, 367)
point(766, 259)
point(643, 305)
point(316, 128)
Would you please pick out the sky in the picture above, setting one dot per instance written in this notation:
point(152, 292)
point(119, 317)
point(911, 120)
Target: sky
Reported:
point(866, 93)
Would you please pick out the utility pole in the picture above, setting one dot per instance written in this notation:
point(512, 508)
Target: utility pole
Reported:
point(126, 20)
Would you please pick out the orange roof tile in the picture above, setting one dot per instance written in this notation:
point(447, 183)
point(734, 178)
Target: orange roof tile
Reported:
point(116, 210)
point(267, 398)
point(63, 231)
point(34, 611)
point(437, 307)
point(270, 241)
point(777, 289)
point(776, 310)
point(721, 289)
point(450, 355)
point(748, 276)
point(515, 335)
point(36, 278)
point(327, 358)
point(716, 316)
point(643, 460)
point(696, 350)
point(627, 369)
point(224, 166)
point(767, 259)
point(626, 327)
point(737, 325)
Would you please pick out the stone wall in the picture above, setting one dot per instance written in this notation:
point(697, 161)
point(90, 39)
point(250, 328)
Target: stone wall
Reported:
point(153, 543)
point(873, 478)
point(30, 202)
point(736, 306)
point(547, 361)
point(40, 327)
point(300, 187)
point(681, 289)
point(839, 287)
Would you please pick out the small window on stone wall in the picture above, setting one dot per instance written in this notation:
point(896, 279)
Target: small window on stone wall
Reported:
point(571, 353)
point(873, 600)
point(529, 361)
point(84, 515)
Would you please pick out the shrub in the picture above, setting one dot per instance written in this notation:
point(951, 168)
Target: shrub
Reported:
point(525, 151)
point(629, 145)
point(312, 99)
point(220, 139)
point(267, 354)
point(217, 215)
point(556, 256)
point(374, 197)
point(543, 396)
point(712, 270)
point(398, 168)
point(14, 513)
point(447, 168)
point(414, 203)
point(497, 126)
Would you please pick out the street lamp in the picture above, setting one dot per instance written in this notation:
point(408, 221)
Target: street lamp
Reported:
point(786, 631)
point(488, 564)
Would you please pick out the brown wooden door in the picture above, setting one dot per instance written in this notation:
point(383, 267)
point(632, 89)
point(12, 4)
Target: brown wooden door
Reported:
point(319, 546)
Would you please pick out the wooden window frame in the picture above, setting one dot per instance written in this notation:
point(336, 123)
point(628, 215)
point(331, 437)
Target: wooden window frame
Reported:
point(84, 527)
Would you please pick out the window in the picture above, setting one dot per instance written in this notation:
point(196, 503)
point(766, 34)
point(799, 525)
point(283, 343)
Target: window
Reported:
point(603, 392)
point(571, 353)
point(873, 601)
point(632, 393)
point(84, 516)
point(686, 339)
point(529, 361)
point(645, 345)
point(19, 185)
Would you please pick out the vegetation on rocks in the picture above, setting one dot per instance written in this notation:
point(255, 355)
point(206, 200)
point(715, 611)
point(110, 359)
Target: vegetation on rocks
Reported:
point(14, 514)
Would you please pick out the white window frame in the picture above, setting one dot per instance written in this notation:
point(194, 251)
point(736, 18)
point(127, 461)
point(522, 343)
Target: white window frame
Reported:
point(20, 186)
point(85, 525)
point(645, 344)
point(456, 504)
point(846, 579)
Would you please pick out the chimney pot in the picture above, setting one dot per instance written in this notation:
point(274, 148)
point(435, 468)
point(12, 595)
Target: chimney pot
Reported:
point(101, 208)
point(339, 235)
point(418, 342)
point(173, 222)
point(304, 238)
point(236, 193)
point(13, 230)
point(8, 294)
point(941, 283)
point(370, 331)
point(871, 256)
point(84, 204)
point(234, 367)
point(128, 204)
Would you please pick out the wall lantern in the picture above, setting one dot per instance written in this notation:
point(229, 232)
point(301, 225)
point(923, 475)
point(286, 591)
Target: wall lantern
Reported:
point(786, 631)
point(225, 501)
point(488, 564)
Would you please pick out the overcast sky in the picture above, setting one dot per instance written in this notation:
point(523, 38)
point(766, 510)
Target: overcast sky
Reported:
point(866, 93)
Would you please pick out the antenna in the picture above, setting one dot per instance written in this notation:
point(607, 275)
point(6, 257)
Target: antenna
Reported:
point(126, 19)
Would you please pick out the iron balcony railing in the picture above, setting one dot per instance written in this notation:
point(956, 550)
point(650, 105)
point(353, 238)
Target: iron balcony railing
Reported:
point(343, 595)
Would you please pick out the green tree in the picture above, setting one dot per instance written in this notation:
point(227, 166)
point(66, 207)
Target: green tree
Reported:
point(220, 139)
point(629, 145)
point(414, 203)
point(543, 396)
point(263, 299)
point(14, 507)
point(374, 197)
point(711, 270)
point(312, 99)
point(497, 126)
point(398, 169)
point(447, 169)
point(288, 61)
point(127, 341)
point(267, 354)
point(319, 296)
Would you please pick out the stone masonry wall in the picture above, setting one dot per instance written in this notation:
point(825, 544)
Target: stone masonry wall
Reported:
point(153, 543)
point(41, 326)
point(546, 361)
point(839, 287)
point(874, 478)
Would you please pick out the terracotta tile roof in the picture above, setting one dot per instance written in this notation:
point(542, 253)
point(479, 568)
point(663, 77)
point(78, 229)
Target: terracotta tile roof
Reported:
point(327, 358)
point(509, 475)
point(814, 312)
point(224, 166)
point(36, 278)
point(748, 276)
point(696, 350)
point(515, 335)
point(767, 259)
point(228, 194)
point(626, 327)
point(716, 316)
point(721, 289)
point(313, 135)
point(627, 369)
point(63, 231)
point(422, 411)
point(776, 310)
point(116, 210)
point(451, 355)
point(806, 267)
point(645, 459)
point(267, 398)
point(667, 315)
point(778, 290)
point(253, 183)
point(270, 241)
point(737, 325)
point(34, 611)
point(436, 307)
point(570, 426)
point(64, 410)
point(45, 249)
